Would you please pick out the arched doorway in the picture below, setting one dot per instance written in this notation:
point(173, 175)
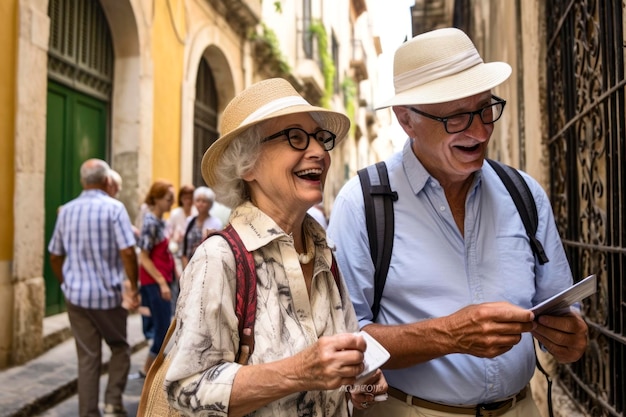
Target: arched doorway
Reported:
point(204, 118)
point(80, 80)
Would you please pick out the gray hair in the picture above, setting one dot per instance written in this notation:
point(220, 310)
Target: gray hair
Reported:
point(94, 172)
point(116, 178)
point(237, 160)
point(205, 192)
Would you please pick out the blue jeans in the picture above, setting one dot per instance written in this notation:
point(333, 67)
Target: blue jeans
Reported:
point(161, 313)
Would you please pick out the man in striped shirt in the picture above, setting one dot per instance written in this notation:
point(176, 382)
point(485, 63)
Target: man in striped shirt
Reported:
point(91, 251)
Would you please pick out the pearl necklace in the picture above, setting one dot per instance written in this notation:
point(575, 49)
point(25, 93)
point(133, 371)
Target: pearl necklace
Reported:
point(305, 258)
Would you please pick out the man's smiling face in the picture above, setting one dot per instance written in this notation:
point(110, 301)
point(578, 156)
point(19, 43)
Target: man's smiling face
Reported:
point(448, 156)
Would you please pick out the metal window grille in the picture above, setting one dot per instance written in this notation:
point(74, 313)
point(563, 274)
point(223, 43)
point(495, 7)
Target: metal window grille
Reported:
point(80, 52)
point(588, 184)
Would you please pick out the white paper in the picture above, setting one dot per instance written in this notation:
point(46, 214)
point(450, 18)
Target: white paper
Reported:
point(559, 304)
point(375, 356)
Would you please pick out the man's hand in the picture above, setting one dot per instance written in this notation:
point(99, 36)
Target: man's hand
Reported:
point(130, 297)
point(56, 263)
point(483, 330)
point(487, 330)
point(565, 337)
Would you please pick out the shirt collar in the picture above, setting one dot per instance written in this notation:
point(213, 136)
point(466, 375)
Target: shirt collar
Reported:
point(94, 191)
point(416, 174)
point(256, 229)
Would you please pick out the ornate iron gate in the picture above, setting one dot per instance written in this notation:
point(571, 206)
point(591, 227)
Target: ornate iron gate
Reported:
point(588, 184)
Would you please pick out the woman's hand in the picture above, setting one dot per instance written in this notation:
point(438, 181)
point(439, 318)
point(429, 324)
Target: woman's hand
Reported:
point(370, 392)
point(166, 293)
point(332, 362)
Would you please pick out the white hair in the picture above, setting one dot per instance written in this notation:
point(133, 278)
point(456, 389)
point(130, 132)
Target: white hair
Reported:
point(116, 177)
point(205, 192)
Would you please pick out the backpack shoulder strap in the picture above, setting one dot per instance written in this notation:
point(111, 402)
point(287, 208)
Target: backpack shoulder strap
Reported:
point(245, 306)
point(187, 230)
point(379, 219)
point(525, 203)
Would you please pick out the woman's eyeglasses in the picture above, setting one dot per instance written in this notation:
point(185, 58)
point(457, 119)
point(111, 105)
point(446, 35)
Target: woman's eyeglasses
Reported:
point(299, 138)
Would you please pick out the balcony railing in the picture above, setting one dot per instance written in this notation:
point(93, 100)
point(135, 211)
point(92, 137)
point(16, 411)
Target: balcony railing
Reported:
point(241, 14)
point(358, 62)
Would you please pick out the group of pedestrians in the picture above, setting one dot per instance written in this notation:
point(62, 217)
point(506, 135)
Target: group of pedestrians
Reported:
point(107, 266)
point(455, 319)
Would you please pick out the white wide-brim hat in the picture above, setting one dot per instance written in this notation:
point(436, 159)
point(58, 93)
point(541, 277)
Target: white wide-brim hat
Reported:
point(440, 66)
point(260, 102)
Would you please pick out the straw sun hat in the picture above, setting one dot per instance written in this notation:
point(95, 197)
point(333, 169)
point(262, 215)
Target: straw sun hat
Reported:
point(440, 66)
point(260, 102)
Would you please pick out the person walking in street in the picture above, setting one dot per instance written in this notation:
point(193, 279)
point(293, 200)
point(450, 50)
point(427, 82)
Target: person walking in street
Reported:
point(455, 308)
point(92, 250)
point(115, 184)
point(157, 269)
point(179, 217)
point(175, 230)
point(198, 227)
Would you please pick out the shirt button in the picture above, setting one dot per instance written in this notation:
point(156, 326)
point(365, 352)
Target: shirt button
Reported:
point(442, 208)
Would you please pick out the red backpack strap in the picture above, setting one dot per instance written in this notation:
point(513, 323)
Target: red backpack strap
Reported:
point(245, 306)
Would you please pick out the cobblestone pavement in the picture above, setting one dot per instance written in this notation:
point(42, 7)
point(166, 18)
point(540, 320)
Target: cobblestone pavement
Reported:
point(46, 385)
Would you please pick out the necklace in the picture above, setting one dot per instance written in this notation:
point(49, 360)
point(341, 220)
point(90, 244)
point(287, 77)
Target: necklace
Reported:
point(305, 258)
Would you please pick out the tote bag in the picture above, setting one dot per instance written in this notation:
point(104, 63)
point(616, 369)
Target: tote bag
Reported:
point(153, 400)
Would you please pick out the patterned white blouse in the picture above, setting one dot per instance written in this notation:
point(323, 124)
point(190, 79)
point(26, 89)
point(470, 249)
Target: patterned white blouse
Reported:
point(202, 369)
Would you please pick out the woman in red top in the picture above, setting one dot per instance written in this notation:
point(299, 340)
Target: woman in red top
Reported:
point(156, 264)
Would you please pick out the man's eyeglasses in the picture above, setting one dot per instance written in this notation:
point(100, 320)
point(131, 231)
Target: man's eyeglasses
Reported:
point(462, 121)
point(299, 139)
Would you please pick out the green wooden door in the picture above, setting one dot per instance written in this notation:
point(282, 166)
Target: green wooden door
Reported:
point(76, 131)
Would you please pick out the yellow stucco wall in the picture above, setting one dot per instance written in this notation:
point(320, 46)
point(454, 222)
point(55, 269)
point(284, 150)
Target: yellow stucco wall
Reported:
point(8, 36)
point(8, 46)
point(169, 33)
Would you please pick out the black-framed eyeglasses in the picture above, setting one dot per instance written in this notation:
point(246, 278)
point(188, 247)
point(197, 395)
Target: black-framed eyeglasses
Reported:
point(462, 121)
point(299, 138)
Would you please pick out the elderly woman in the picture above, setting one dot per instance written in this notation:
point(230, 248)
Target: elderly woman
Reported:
point(270, 164)
point(198, 227)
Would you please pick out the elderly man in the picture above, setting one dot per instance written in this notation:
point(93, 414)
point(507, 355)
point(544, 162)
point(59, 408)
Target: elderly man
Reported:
point(454, 312)
point(91, 250)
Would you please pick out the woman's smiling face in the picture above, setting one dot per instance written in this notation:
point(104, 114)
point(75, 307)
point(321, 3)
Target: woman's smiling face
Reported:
point(284, 178)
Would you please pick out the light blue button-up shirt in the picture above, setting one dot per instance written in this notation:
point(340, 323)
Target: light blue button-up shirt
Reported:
point(435, 271)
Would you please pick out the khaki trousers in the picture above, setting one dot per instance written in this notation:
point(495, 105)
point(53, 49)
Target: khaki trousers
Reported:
point(396, 408)
point(89, 327)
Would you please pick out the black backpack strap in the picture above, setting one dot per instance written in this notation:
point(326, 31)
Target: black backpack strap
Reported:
point(187, 230)
point(525, 203)
point(379, 218)
point(246, 298)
